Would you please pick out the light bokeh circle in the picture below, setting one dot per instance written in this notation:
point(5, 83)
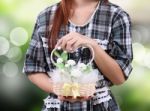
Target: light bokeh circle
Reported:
point(10, 69)
point(143, 31)
point(139, 52)
point(147, 60)
point(4, 26)
point(14, 54)
point(18, 36)
point(4, 46)
point(137, 37)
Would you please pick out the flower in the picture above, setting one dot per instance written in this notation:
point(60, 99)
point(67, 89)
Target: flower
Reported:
point(67, 65)
point(59, 48)
point(82, 66)
point(65, 51)
point(71, 62)
point(59, 60)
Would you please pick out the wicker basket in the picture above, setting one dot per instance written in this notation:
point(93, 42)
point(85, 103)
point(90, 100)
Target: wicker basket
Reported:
point(85, 89)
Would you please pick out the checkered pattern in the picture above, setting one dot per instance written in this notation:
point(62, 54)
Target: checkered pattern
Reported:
point(84, 106)
point(109, 23)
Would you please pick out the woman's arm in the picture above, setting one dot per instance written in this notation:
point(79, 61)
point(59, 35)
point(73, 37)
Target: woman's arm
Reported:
point(108, 65)
point(42, 81)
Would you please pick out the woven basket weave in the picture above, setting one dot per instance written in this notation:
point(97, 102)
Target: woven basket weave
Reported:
point(84, 90)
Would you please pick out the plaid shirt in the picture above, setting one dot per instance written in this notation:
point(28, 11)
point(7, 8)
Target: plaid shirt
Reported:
point(110, 26)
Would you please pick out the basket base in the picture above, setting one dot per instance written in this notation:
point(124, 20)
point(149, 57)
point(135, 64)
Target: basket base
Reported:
point(85, 90)
point(79, 98)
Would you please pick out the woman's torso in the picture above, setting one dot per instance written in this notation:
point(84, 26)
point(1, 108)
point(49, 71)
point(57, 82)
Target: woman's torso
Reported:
point(98, 28)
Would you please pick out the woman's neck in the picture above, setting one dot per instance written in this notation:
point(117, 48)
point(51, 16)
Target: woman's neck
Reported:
point(82, 3)
point(83, 11)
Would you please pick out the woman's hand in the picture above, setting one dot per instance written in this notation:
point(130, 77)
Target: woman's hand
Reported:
point(73, 40)
point(72, 100)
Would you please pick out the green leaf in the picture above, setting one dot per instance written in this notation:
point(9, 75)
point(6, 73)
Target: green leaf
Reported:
point(60, 65)
point(57, 54)
point(64, 56)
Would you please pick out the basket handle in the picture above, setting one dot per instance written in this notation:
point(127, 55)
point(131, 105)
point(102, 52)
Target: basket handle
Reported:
point(85, 45)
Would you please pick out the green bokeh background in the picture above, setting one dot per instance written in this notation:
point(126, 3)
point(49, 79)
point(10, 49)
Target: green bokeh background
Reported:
point(17, 93)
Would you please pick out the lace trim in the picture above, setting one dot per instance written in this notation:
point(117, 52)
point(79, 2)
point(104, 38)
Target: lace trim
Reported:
point(52, 103)
point(101, 95)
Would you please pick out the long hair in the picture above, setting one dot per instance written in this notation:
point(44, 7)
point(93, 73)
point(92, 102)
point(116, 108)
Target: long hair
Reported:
point(60, 19)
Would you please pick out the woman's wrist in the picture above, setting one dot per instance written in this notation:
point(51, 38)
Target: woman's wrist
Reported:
point(51, 90)
point(93, 43)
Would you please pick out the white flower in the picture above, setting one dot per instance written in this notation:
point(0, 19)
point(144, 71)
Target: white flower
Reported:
point(59, 48)
point(67, 65)
point(59, 60)
point(71, 62)
point(82, 66)
point(76, 73)
point(65, 51)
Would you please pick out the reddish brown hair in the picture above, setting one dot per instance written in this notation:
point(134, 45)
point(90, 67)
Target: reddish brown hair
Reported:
point(60, 19)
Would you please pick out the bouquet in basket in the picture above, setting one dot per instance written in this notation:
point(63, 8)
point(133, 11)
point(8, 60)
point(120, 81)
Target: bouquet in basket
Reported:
point(71, 79)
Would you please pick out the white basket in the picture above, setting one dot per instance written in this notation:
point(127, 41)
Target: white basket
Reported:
point(84, 89)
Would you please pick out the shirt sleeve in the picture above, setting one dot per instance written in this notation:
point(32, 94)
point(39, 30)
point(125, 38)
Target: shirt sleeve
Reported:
point(34, 58)
point(122, 42)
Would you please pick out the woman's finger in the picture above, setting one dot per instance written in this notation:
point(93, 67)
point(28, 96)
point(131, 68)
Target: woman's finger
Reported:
point(69, 45)
point(64, 41)
point(58, 43)
point(76, 45)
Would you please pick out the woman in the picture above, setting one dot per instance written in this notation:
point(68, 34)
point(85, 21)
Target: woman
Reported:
point(69, 24)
